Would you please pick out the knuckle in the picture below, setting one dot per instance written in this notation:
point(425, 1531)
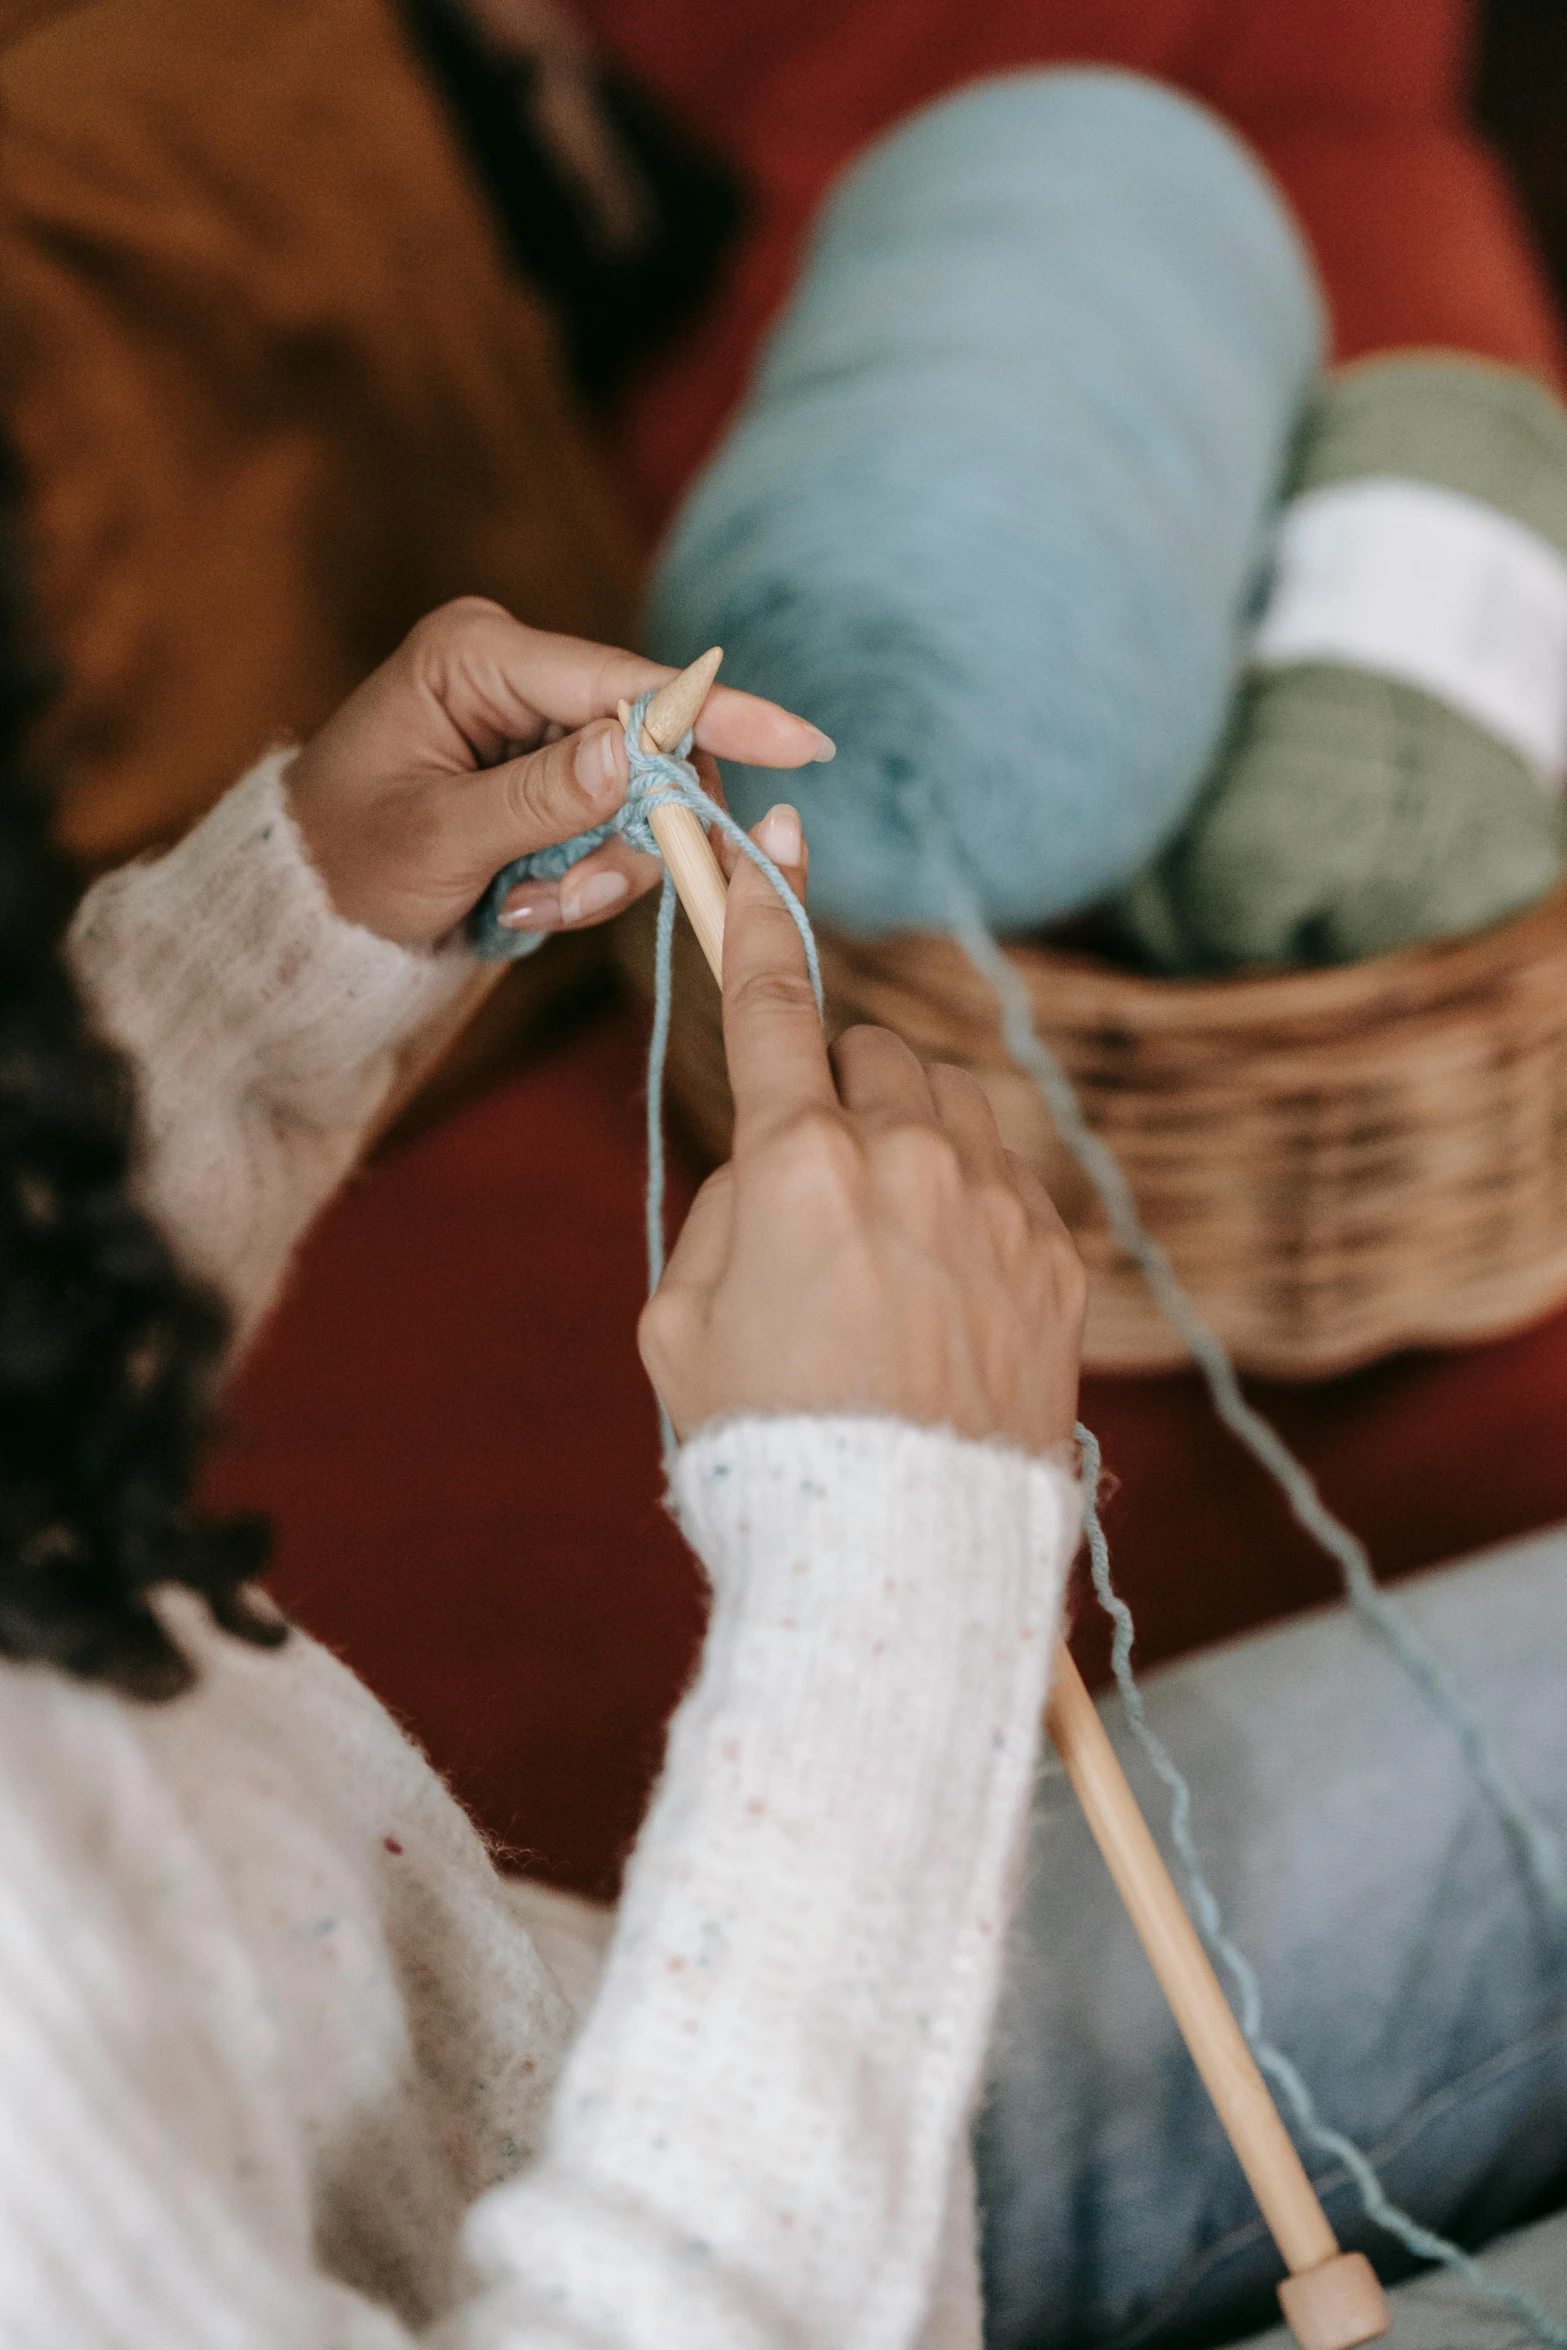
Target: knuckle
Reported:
point(961, 1086)
point(815, 1155)
point(821, 1137)
point(458, 613)
point(865, 1041)
point(765, 993)
point(436, 646)
point(1067, 1275)
point(437, 630)
point(650, 1324)
point(1007, 1217)
point(663, 1323)
point(540, 791)
point(919, 1161)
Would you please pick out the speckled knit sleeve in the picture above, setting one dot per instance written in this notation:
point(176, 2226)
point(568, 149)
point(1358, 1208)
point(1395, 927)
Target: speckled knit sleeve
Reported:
point(265, 1030)
point(756, 2135)
point(279, 2066)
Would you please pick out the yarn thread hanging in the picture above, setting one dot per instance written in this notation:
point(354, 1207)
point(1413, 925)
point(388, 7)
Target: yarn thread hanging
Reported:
point(895, 533)
point(1532, 1838)
point(655, 777)
point(996, 505)
point(1425, 2243)
point(1536, 1844)
point(666, 776)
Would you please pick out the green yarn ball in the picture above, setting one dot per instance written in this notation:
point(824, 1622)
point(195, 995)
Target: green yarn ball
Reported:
point(1350, 814)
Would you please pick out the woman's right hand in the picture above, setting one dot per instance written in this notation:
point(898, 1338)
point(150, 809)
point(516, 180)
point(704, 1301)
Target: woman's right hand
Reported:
point(871, 1246)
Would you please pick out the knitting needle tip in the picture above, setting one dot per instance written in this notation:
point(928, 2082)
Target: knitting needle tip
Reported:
point(673, 710)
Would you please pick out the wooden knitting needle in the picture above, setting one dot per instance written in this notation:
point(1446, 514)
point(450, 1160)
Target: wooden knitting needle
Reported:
point(682, 843)
point(1331, 2299)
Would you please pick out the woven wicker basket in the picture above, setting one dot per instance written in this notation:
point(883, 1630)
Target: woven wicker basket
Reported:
point(1340, 1163)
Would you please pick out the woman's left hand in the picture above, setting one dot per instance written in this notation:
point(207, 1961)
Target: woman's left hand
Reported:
point(479, 741)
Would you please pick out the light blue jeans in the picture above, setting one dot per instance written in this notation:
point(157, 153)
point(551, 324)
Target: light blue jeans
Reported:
point(1406, 1966)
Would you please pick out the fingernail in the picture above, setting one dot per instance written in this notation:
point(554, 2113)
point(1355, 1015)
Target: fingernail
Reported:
point(533, 905)
point(779, 834)
point(597, 763)
point(590, 896)
point(826, 748)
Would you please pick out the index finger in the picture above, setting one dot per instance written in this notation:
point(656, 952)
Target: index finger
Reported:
point(525, 677)
point(773, 1037)
point(736, 725)
point(576, 681)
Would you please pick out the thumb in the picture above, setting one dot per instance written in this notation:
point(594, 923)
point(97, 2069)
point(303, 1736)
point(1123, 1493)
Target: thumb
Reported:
point(551, 794)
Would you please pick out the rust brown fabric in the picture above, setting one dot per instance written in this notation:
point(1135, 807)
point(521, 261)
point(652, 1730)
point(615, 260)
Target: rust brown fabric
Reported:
point(275, 388)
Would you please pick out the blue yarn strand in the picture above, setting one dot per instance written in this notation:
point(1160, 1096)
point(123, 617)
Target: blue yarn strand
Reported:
point(655, 779)
point(663, 777)
point(1379, 2207)
point(1069, 309)
point(658, 778)
point(657, 1053)
point(1533, 1839)
point(1536, 1843)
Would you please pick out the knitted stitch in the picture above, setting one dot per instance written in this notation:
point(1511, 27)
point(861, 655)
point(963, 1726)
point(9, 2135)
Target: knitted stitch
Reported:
point(656, 778)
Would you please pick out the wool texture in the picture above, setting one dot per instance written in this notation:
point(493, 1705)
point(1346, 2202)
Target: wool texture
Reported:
point(654, 778)
point(261, 1066)
point(992, 511)
point(270, 2016)
point(285, 2059)
point(1349, 813)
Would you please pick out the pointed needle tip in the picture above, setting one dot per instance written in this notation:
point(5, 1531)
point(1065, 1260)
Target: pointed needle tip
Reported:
point(674, 708)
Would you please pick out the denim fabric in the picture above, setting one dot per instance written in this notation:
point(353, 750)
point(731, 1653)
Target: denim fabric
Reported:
point(1405, 1965)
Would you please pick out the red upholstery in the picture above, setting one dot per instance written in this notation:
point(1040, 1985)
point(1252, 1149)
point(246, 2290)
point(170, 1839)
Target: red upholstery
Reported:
point(451, 1427)
point(447, 1418)
point(1355, 107)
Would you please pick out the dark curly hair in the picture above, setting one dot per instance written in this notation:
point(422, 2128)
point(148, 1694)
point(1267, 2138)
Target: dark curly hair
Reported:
point(109, 1351)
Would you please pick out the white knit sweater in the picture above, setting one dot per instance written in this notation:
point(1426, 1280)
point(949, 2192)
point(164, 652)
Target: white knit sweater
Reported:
point(281, 2062)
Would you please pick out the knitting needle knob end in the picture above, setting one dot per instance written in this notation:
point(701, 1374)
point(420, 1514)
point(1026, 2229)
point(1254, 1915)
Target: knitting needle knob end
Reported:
point(1335, 2305)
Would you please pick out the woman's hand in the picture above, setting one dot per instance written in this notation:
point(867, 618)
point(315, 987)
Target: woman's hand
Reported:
point(871, 1246)
point(479, 741)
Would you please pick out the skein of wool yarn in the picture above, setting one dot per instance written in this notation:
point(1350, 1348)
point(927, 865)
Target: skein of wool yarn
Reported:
point(1351, 811)
point(993, 511)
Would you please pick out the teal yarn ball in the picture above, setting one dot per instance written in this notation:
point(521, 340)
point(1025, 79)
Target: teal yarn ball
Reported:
point(993, 511)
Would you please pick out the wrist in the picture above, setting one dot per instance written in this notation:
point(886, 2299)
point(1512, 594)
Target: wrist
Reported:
point(752, 1490)
point(333, 839)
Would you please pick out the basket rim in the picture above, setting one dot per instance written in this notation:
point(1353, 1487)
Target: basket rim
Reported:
point(1409, 978)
